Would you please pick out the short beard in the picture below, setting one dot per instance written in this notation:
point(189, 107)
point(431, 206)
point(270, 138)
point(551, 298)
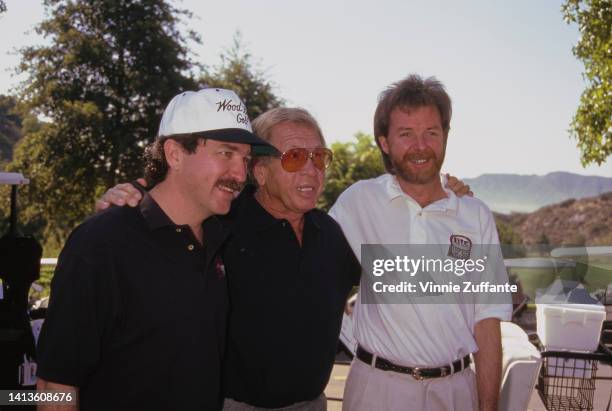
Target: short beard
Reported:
point(402, 168)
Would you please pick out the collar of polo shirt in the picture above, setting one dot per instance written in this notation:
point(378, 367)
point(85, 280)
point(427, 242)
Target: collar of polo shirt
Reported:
point(393, 190)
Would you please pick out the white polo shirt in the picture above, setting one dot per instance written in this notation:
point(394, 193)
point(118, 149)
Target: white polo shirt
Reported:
point(377, 211)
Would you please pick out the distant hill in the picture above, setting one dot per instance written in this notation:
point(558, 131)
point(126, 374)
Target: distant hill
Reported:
point(505, 193)
point(587, 221)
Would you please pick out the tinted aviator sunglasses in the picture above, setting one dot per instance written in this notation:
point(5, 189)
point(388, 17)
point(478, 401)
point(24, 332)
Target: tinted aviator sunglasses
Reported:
point(295, 159)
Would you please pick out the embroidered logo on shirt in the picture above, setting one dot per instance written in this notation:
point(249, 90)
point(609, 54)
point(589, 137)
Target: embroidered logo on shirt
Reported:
point(460, 247)
point(219, 267)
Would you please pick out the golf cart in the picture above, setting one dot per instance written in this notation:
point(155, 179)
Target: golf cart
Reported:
point(19, 267)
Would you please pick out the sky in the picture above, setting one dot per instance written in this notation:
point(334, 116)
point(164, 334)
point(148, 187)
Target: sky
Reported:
point(507, 66)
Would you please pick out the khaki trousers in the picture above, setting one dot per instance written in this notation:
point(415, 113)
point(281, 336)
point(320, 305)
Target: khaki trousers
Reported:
point(318, 404)
point(370, 389)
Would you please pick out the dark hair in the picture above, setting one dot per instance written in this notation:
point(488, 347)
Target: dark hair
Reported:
point(156, 166)
point(408, 93)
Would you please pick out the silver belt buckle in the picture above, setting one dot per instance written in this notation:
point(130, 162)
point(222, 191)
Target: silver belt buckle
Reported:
point(416, 374)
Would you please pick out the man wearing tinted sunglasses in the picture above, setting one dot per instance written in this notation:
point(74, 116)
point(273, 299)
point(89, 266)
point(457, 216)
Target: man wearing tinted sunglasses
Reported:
point(291, 275)
point(294, 159)
point(289, 272)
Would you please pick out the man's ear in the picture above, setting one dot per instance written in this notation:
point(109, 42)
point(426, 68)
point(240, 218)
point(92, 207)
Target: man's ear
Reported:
point(382, 140)
point(260, 171)
point(174, 153)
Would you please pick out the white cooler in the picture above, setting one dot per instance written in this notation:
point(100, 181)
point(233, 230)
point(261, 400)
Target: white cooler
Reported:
point(574, 327)
point(520, 368)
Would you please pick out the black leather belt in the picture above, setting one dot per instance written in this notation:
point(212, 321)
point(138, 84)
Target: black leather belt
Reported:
point(416, 372)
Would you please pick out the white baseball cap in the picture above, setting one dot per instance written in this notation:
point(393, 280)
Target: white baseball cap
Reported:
point(212, 113)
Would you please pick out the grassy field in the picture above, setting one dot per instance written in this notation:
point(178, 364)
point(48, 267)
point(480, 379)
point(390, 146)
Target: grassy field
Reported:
point(596, 275)
point(46, 273)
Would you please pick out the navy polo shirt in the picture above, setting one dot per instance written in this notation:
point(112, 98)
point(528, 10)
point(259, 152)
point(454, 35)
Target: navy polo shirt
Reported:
point(286, 304)
point(138, 312)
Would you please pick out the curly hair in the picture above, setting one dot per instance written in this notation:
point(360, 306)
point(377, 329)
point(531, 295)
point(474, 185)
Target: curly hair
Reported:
point(156, 166)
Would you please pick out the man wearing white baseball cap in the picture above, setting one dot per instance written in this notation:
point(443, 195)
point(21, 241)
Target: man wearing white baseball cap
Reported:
point(138, 304)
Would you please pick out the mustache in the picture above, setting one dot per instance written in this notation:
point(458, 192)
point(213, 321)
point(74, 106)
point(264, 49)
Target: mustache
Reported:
point(230, 183)
point(425, 154)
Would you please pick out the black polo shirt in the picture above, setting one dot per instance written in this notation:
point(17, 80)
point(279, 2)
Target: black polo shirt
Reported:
point(138, 313)
point(286, 304)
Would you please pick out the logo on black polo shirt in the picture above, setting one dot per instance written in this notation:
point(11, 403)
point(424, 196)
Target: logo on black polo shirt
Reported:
point(219, 267)
point(460, 247)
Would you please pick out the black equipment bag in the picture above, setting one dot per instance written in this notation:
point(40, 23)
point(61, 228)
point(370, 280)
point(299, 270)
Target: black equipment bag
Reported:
point(19, 267)
point(19, 259)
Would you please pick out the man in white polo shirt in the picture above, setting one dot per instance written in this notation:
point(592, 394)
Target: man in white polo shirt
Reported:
point(416, 356)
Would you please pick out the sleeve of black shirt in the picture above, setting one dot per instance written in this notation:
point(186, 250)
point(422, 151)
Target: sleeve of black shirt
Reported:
point(352, 266)
point(80, 313)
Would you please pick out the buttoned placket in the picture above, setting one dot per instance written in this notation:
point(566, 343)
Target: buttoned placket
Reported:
point(419, 218)
point(187, 237)
point(418, 229)
point(288, 227)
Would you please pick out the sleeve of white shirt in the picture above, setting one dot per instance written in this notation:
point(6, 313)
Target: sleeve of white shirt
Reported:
point(342, 213)
point(333, 212)
point(496, 270)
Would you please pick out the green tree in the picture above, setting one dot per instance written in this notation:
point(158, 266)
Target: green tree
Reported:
point(592, 123)
point(543, 239)
point(102, 84)
point(353, 161)
point(507, 234)
point(510, 240)
point(238, 72)
point(2, 6)
point(10, 128)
